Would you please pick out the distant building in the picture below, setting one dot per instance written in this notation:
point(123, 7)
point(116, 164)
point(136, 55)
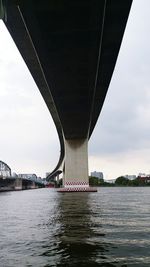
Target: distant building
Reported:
point(97, 174)
point(144, 177)
point(130, 177)
point(141, 174)
point(28, 176)
point(47, 174)
point(111, 181)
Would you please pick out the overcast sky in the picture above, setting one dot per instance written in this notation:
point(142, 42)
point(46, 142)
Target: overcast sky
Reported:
point(120, 143)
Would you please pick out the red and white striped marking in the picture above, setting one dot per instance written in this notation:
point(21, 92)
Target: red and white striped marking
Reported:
point(77, 189)
point(76, 184)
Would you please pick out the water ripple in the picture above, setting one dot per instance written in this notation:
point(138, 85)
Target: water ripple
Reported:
point(42, 228)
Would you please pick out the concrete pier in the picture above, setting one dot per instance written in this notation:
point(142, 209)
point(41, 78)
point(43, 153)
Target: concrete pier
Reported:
point(76, 167)
point(18, 184)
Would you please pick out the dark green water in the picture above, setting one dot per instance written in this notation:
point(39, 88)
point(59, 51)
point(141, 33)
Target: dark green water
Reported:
point(43, 228)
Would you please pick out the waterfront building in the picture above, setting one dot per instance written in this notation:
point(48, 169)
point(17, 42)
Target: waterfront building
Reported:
point(144, 177)
point(111, 181)
point(130, 177)
point(28, 176)
point(47, 174)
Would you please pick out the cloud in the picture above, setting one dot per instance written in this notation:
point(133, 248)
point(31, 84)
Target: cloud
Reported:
point(121, 164)
point(120, 143)
point(124, 122)
point(28, 137)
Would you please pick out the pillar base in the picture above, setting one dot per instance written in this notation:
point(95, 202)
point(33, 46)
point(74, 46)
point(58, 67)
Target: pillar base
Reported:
point(77, 189)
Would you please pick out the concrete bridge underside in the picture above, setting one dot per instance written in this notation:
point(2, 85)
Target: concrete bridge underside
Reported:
point(70, 48)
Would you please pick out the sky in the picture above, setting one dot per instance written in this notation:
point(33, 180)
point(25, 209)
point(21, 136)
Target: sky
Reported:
point(120, 143)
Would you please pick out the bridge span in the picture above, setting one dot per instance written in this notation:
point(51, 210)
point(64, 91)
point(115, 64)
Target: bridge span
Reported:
point(70, 48)
point(9, 181)
point(13, 183)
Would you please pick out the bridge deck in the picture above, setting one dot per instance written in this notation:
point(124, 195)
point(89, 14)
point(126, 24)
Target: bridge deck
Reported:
point(70, 48)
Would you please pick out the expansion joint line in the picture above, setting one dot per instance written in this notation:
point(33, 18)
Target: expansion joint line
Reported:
point(97, 69)
point(59, 128)
point(41, 68)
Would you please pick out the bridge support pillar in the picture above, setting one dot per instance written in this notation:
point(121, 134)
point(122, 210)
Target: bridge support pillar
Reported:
point(57, 180)
point(76, 166)
point(33, 185)
point(18, 184)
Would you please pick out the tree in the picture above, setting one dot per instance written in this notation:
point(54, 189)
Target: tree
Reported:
point(122, 181)
point(94, 181)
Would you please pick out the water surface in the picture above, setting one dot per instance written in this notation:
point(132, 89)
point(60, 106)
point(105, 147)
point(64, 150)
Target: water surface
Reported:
point(42, 228)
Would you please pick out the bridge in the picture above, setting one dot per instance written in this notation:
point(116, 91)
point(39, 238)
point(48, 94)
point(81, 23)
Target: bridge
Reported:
point(9, 182)
point(13, 183)
point(70, 48)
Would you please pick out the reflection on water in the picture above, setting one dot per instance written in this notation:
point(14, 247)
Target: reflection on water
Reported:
point(80, 237)
point(43, 228)
point(77, 239)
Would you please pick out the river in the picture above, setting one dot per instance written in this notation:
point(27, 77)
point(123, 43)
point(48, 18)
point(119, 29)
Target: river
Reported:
point(42, 228)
